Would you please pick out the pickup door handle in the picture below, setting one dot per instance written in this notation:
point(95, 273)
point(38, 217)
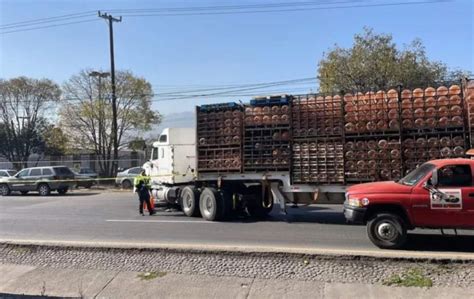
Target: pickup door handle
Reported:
point(471, 194)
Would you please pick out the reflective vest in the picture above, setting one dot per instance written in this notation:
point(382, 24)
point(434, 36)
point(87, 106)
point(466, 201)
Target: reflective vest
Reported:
point(142, 179)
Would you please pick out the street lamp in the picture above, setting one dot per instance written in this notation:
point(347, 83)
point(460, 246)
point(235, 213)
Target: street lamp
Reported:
point(99, 75)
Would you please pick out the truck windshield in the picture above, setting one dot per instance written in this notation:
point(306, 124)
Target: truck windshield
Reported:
point(416, 175)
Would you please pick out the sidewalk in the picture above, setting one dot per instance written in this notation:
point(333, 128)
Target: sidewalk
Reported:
point(33, 280)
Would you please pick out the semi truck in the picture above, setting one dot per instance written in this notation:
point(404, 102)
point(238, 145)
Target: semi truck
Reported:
point(275, 150)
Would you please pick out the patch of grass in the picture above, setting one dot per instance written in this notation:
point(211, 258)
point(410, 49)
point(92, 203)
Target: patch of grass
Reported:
point(151, 275)
point(410, 278)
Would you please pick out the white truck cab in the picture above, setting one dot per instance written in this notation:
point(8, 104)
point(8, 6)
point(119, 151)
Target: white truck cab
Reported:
point(173, 159)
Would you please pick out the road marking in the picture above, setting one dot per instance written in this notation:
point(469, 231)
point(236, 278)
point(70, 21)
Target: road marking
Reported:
point(161, 221)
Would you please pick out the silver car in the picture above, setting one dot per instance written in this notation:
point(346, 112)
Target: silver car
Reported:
point(5, 173)
point(126, 177)
point(40, 179)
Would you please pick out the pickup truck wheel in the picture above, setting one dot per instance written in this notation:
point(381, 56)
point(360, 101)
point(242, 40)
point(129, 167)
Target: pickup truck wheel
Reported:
point(4, 190)
point(387, 231)
point(44, 190)
point(211, 205)
point(189, 202)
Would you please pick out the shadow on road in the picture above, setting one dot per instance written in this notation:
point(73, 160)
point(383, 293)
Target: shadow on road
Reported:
point(302, 214)
point(427, 242)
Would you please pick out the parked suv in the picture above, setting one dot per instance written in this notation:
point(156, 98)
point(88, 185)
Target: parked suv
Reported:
point(85, 177)
point(40, 179)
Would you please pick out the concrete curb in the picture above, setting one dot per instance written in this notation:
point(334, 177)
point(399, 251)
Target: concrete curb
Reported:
point(329, 253)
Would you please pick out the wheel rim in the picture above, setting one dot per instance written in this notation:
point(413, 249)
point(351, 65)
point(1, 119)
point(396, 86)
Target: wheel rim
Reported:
point(4, 190)
point(187, 202)
point(387, 231)
point(208, 205)
point(43, 190)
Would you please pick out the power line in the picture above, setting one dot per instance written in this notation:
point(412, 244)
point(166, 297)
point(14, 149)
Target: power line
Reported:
point(257, 85)
point(281, 10)
point(209, 10)
point(49, 26)
point(220, 91)
point(50, 19)
point(234, 7)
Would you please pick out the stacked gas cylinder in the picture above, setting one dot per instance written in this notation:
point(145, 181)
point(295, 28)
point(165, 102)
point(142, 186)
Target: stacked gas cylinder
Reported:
point(219, 137)
point(267, 134)
point(318, 155)
point(433, 124)
point(372, 130)
point(336, 139)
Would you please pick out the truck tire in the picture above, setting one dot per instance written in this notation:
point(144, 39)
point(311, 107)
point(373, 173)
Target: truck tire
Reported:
point(43, 189)
point(211, 205)
point(189, 202)
point(255, 206)
point(387, 231)
point(4, 190)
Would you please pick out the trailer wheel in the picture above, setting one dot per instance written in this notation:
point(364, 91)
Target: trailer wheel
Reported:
point(211, 205)
point(255, 204)
point(387, 231)
point(189, 201)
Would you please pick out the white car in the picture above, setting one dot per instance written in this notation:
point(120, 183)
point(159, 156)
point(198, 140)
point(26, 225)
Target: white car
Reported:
point(126, 177)
point(7, 173)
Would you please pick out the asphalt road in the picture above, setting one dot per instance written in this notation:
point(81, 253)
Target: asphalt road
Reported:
point(89, 216)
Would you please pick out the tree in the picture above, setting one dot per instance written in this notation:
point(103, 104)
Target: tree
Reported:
point(24, 103)
point(375, 62)
point(86, 114)
point(137, 144)
point(55, 140)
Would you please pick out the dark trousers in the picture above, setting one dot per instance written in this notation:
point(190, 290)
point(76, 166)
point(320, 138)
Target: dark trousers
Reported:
point(145, 199)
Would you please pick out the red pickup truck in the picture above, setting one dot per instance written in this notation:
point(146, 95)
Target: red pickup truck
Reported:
point(439, 194)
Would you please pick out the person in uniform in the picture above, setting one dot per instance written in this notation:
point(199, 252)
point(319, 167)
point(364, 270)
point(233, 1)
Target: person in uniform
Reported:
point(142, 186)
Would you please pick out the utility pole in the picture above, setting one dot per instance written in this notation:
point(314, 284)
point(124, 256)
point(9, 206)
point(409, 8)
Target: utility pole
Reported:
point(111, 20)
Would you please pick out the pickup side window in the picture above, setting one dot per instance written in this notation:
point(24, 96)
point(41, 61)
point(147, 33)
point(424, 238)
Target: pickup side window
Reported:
point(455, 176)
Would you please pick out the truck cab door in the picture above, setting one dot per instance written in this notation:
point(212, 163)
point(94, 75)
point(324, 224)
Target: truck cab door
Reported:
point(423, 214)
point(449, 201)
point(468, 207)
point(166, 161)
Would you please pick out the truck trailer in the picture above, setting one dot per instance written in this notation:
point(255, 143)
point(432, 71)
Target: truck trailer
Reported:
point(304, 148)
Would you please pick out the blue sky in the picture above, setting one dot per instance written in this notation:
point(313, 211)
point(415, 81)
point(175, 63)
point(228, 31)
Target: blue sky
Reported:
point(201, 51)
